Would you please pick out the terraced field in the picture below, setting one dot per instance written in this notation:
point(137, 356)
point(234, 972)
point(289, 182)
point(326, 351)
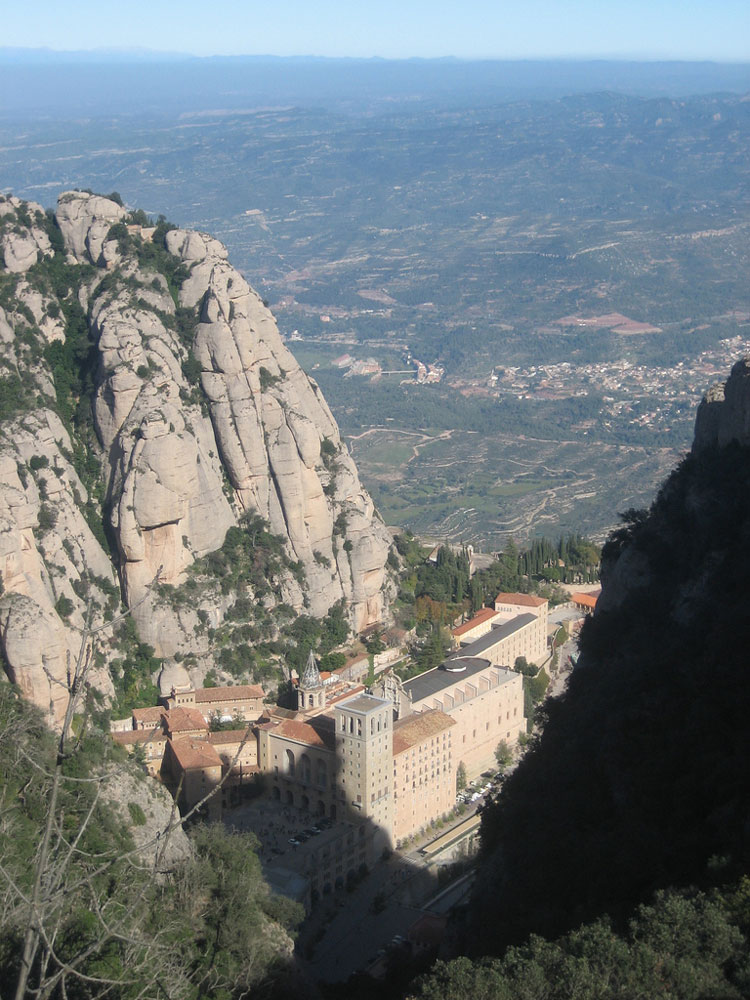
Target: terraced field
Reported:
point(466, 486)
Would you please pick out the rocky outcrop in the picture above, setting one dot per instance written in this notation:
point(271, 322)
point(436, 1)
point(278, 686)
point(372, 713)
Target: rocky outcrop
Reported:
point(723, 417)
point(724, 412)
point(23, 240)
point(147, 810)
point(165, 478)
point(85, 220)
point(51, 562)
point(270, 421)
point(201, 417)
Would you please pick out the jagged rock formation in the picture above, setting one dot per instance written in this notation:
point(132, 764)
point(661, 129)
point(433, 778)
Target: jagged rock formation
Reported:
point(270, 420)
point(724, 412)
point(201, 415)
point(723, 417)
point(22, 248)
point(85, 221)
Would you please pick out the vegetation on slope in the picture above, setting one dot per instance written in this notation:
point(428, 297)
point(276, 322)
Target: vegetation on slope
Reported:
point(689, 945)
point(436, 593)
point(106, 920)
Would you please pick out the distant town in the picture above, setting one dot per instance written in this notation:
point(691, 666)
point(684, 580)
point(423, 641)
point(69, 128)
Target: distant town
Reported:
point(646, 395)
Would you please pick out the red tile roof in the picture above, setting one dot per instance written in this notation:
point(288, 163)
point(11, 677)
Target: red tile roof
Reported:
point(239, 692)
point(230, 736)
point(525, 600)
point(587, 600)
point(479, 618)
point(151, 715)
point(316, 733)
point(192, 754)
point(180, 720)
point(132, 736)
point(419, 727)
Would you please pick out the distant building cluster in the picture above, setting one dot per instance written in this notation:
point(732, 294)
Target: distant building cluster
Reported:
point(649, 396)
point(384, 759)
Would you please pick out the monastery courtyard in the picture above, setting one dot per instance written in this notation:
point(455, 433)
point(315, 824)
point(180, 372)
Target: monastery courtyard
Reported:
point(359, 922)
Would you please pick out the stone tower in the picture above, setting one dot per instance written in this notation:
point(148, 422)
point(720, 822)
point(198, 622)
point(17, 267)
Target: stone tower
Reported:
point(364, 757)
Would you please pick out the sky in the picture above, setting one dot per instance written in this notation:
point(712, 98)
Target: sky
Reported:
point(716, 30)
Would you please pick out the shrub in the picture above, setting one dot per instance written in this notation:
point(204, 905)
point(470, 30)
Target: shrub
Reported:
point(64, 606)
point(267, 379)
point(47, 518)
point(137, 815)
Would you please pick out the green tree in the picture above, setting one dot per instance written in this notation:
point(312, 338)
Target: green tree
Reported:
point(476, 594)
point(522, 666)
point(503, 756)
point(460, 777)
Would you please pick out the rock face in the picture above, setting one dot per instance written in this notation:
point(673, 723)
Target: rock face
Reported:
point(270, 421)
point(85, 221)
point(24, 244)
point(201, 418)
point(147, 809)
point(724, 412)
point(164, 476)
point(49, 557)
point(723, 417)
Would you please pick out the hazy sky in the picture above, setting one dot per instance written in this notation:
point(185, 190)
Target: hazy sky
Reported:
point(650, 29)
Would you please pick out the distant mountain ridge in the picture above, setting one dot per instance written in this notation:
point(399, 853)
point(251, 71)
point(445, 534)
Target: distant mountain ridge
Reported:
point(36, 79)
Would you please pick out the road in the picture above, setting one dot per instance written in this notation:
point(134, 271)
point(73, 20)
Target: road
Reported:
point(346, 932)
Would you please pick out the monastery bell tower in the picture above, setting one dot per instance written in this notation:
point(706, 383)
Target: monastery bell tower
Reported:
point(364, 748)
point(310, 693)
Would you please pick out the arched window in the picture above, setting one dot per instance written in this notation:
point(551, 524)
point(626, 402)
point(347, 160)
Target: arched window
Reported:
point(289, 763)
point(305, 766)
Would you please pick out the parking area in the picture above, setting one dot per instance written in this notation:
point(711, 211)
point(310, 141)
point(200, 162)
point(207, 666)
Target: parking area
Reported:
point(281, 829)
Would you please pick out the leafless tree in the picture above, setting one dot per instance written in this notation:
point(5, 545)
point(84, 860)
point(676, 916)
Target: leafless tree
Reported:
point(117, 954)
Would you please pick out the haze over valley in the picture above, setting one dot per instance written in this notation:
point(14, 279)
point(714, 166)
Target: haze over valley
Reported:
point(572, 269)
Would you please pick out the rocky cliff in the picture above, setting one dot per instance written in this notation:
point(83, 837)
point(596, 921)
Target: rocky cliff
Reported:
point(149, 406)
point(724, 413)
point(722, 419)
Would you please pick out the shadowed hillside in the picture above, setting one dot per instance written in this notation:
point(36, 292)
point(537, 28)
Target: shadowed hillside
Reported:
point(641, 775)
point(622, 838)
